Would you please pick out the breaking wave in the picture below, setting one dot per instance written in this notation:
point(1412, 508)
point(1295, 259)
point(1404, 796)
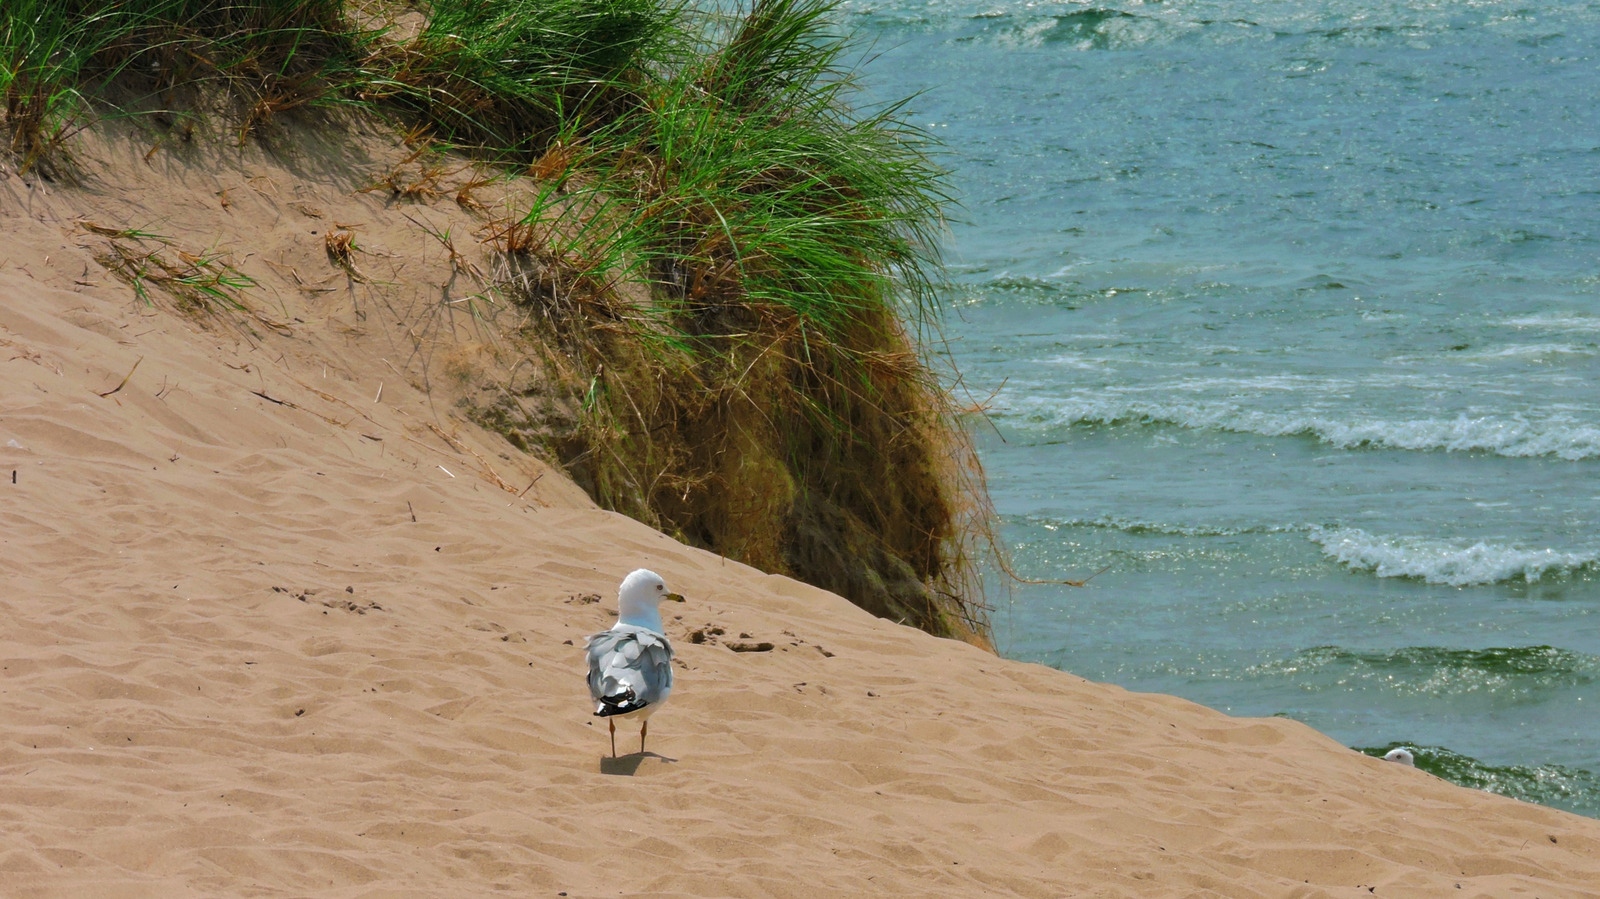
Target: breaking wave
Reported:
point(1560, 436)
point(1454, 562)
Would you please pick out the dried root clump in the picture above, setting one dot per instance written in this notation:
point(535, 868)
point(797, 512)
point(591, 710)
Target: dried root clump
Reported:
point(340, 245)
point(834, 458)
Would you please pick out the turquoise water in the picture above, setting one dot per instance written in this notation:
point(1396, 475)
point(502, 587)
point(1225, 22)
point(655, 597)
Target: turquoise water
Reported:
point(1291, 312)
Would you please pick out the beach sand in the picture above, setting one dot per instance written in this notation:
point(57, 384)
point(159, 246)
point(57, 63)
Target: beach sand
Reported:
point(278, 622)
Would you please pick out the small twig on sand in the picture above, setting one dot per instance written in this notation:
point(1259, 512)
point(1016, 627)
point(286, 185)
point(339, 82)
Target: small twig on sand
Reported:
point(273, 399)
point(484, 467)
point(125, 378)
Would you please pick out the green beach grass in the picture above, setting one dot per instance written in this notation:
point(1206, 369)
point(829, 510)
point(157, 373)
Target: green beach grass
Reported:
point(728, 257)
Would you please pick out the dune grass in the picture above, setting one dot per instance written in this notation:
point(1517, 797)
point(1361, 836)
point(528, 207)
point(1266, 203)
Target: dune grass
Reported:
point(57, 58)
point(728, 255)
point(510, 76)
point(789, 241)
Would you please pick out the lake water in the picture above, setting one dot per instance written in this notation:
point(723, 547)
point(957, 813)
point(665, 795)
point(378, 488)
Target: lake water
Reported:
point(1291, 312)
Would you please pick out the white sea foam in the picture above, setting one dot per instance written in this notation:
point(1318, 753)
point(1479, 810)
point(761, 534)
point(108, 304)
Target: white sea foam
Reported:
point(1454, 562)
point(1275, 382)
point(1560, 435)
point(1584, 324)
point(1133, 526)
point(1075, 360)
point(1533, 351)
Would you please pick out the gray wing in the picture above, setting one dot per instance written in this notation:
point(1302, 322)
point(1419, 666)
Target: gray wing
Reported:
point(628, 670)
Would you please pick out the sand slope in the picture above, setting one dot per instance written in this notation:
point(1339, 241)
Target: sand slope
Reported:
point(319, 645)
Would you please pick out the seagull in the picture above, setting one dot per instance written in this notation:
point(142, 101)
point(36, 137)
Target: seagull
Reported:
point(1403, 756)
point(630, 666)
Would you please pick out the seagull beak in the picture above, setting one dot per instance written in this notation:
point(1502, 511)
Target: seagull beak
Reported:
point(675, 597)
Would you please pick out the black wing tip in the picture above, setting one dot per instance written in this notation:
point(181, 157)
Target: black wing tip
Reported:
point(619, 704)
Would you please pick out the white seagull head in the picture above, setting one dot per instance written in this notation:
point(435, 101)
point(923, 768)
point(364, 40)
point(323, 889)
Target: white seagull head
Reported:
point(1403, 756)
point(639, 600)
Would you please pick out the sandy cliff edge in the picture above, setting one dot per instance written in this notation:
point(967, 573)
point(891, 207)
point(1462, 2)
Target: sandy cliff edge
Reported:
point(271, 629)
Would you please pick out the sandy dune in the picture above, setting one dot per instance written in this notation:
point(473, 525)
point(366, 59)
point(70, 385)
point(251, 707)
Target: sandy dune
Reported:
point(327, 644)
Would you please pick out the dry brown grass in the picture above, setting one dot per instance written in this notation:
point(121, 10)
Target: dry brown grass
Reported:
point(340, 245)
point(466, 193)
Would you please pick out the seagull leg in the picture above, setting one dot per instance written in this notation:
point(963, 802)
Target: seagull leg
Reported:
point(612, 722)
point(644, 728)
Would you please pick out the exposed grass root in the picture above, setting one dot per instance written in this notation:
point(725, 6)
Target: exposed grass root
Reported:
point(761, 452)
